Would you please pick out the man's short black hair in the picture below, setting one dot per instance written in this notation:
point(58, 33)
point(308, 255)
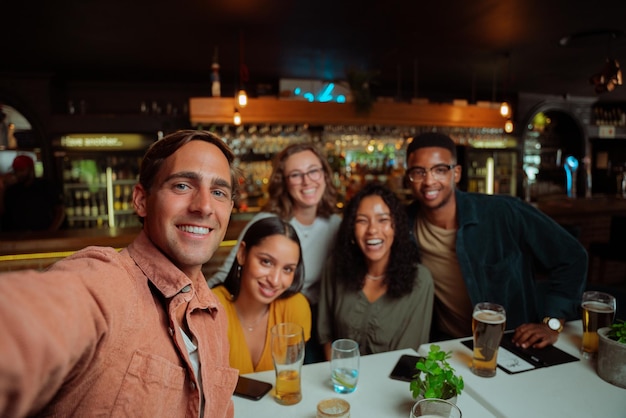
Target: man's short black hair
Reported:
point(431, 139)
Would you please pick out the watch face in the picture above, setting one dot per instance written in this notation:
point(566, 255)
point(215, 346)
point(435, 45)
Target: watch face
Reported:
point(554, 324)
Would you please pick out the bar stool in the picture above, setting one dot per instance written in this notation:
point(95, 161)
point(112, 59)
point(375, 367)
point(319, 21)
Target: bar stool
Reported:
point(614, 250)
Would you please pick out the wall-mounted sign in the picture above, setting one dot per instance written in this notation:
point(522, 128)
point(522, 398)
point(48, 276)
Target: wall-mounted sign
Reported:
point(314, 90)
point(104, 142)
point(606, 131)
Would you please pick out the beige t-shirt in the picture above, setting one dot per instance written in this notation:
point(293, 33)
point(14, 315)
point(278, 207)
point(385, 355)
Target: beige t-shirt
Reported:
point(453, 308)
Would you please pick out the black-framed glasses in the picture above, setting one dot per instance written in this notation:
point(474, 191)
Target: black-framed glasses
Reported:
point(438, 171)
point(297, 177)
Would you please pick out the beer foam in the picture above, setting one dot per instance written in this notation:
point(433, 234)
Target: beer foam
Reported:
point(489, 317)
point(596, 306)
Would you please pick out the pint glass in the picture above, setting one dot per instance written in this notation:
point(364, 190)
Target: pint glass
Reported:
point(488, 322)
point(288, 355)
point(598, 311)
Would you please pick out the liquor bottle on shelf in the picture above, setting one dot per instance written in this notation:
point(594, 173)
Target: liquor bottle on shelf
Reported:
point(78, 203)
point(86, 203)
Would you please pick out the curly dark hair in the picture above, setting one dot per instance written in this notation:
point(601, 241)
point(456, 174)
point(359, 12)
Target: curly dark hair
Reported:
point(350, 267)
point(280, 202)
point(254, 236)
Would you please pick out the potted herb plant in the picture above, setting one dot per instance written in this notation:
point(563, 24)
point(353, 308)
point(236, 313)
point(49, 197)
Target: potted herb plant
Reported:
point(435, 377)
point(612, 353)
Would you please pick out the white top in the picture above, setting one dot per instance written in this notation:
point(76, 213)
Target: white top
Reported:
point(316, 241)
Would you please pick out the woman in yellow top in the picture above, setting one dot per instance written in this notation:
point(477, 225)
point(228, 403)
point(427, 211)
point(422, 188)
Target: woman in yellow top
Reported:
point(263, 289)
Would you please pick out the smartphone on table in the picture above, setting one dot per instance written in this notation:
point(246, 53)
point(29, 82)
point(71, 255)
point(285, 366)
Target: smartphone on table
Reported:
point(251, 388)
point(405, 368)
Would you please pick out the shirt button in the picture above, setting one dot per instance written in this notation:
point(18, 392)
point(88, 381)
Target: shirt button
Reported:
point(186, 289)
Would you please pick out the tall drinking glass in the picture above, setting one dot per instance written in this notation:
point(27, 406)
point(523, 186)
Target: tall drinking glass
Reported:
point(287, 341)
point(344, 365)
point(488, 323)
point(598, 311)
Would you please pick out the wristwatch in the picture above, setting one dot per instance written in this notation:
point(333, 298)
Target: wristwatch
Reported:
point(553, 323)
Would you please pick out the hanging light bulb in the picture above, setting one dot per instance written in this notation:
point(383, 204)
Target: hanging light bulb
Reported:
point(242, 98)
point(508, 126)
point(237, 117)
point(505, 110)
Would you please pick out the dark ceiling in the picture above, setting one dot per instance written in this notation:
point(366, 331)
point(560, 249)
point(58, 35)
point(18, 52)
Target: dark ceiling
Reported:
point(468, 49)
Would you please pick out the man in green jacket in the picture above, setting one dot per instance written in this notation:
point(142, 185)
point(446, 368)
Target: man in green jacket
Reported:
point(490, 248)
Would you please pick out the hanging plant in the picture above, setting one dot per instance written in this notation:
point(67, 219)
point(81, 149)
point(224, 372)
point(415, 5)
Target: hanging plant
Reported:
point(360, 82)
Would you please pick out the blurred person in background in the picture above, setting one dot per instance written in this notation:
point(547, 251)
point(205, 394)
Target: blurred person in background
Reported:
point(375, 291)
point(261, 290)
point(301, 191)
point(30, 203)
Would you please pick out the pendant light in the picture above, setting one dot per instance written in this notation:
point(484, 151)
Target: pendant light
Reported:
point(236, 117)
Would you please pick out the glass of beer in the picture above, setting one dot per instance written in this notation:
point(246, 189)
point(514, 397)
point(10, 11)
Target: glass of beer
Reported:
point(488, 323)
point(598, 311)
point(287, 343)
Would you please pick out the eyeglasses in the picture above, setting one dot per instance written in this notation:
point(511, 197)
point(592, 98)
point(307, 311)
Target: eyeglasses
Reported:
point(297, 178)
point(439, 172)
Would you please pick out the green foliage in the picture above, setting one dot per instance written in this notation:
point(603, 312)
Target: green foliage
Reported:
point(435, 377)
point(618, 331)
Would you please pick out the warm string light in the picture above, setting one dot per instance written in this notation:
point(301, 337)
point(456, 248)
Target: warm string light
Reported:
point(237, 117)
point(508, 126)
point(505, 110)
point(242, 98)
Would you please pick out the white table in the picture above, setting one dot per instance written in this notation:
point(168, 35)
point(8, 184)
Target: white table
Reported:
point(569, 390)
point(376, 396)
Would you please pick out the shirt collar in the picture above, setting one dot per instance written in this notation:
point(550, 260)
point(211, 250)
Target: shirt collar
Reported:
point(165, 276)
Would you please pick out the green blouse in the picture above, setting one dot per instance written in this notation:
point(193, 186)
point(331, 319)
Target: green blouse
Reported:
point(386, 324)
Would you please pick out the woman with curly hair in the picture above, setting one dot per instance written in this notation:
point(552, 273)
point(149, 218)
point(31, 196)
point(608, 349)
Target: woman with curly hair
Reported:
point(375, 292)
point(301, 192)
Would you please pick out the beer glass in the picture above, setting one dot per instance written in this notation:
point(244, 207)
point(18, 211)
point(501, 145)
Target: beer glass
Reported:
point(435, 408)
point(287, 343)
point(344, 365)
point(598, 310)
point(488, 323)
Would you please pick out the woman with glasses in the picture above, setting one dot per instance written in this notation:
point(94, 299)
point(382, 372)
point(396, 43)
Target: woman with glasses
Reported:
point(301, 191)
point(375, 291)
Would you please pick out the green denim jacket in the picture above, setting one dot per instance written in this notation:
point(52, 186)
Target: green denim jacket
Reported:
point(512, 254)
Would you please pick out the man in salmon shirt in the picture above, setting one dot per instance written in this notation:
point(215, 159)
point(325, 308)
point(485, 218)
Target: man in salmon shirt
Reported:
point(135, 333)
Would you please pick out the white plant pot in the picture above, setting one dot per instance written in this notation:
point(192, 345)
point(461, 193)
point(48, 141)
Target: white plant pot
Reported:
point(611, 359)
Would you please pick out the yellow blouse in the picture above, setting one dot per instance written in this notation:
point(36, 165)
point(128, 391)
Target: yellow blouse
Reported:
point(293, 309)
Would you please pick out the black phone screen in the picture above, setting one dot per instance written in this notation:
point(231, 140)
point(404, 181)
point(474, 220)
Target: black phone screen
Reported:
point(251, 388)
point(405, 368)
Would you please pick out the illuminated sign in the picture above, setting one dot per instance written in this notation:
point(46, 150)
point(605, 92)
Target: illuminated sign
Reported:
point(104, 142)
point(314, 90)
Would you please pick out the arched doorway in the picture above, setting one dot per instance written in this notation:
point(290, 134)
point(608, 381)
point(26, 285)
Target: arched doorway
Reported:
point(552, 138)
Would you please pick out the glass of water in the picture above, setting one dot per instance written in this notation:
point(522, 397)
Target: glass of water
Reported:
point(344, 365)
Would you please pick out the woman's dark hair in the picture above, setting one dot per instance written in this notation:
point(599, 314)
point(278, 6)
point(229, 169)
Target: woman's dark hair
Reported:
point(254, 236)
point(349, 265)
point(280, 202)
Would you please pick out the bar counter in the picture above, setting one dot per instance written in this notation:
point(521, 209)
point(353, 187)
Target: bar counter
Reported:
point(588, 218)
point(40, 249)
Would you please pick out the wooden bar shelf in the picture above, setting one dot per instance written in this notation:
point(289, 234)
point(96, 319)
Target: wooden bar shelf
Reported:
point(219, 110)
